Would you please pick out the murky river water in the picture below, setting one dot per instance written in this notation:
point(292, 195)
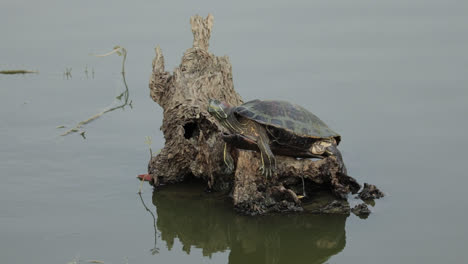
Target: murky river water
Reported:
point(391, 77)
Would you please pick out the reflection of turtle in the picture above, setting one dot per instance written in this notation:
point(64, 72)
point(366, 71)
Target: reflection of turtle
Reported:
point(276, 127)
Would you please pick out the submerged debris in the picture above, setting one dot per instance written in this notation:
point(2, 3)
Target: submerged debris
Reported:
point(361, 210)
point(370, 192)
point(67, 73)
point(17, 72)
point(335, 207)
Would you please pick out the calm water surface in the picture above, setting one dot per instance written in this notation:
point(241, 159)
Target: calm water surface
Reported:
point(390, 76)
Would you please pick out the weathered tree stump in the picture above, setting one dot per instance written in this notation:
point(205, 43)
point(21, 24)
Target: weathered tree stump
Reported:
point(194, 141)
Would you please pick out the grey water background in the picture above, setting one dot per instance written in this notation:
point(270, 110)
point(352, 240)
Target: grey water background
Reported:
point(390, 76)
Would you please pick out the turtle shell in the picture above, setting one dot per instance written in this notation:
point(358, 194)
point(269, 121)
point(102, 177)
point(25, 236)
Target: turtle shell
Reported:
point(293, 118)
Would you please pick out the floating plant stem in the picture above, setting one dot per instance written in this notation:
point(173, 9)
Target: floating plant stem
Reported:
point(148, 141)
point(17, 72)
point(154, 250)
point(125, 95)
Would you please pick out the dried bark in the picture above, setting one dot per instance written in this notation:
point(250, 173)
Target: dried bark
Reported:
point(195, 141)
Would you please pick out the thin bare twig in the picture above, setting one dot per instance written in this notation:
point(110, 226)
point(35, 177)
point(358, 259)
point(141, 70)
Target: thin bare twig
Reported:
point(121, 52)
point(17, 72)
point(154, 250)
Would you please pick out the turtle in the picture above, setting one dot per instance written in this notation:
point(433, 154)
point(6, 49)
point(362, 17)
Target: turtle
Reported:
point(275, 128)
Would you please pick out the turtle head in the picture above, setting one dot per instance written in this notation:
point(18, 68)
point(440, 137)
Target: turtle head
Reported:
point(218, 109)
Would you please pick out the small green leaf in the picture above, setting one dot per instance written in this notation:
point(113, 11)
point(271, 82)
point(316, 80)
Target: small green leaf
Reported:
point(118, 50)
point(148, 140)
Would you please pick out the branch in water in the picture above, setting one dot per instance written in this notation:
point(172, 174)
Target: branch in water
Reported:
point(17, 72)
point(121, 52)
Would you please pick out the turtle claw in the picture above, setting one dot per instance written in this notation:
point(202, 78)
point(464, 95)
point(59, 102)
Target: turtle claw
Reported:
point(267, 171)
point(268, 166)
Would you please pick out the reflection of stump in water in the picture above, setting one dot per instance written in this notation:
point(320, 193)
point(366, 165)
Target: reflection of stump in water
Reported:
point(203, 221)
point(194, 146)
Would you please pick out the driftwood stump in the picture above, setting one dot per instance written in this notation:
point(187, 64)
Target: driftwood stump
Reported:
point(194, 143)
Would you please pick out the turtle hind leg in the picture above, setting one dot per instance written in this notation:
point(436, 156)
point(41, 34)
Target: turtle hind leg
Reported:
point(326, 148)
point(333, 151)
point(320, 148)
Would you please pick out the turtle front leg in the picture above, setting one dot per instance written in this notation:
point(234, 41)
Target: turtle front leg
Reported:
point(268, 158)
